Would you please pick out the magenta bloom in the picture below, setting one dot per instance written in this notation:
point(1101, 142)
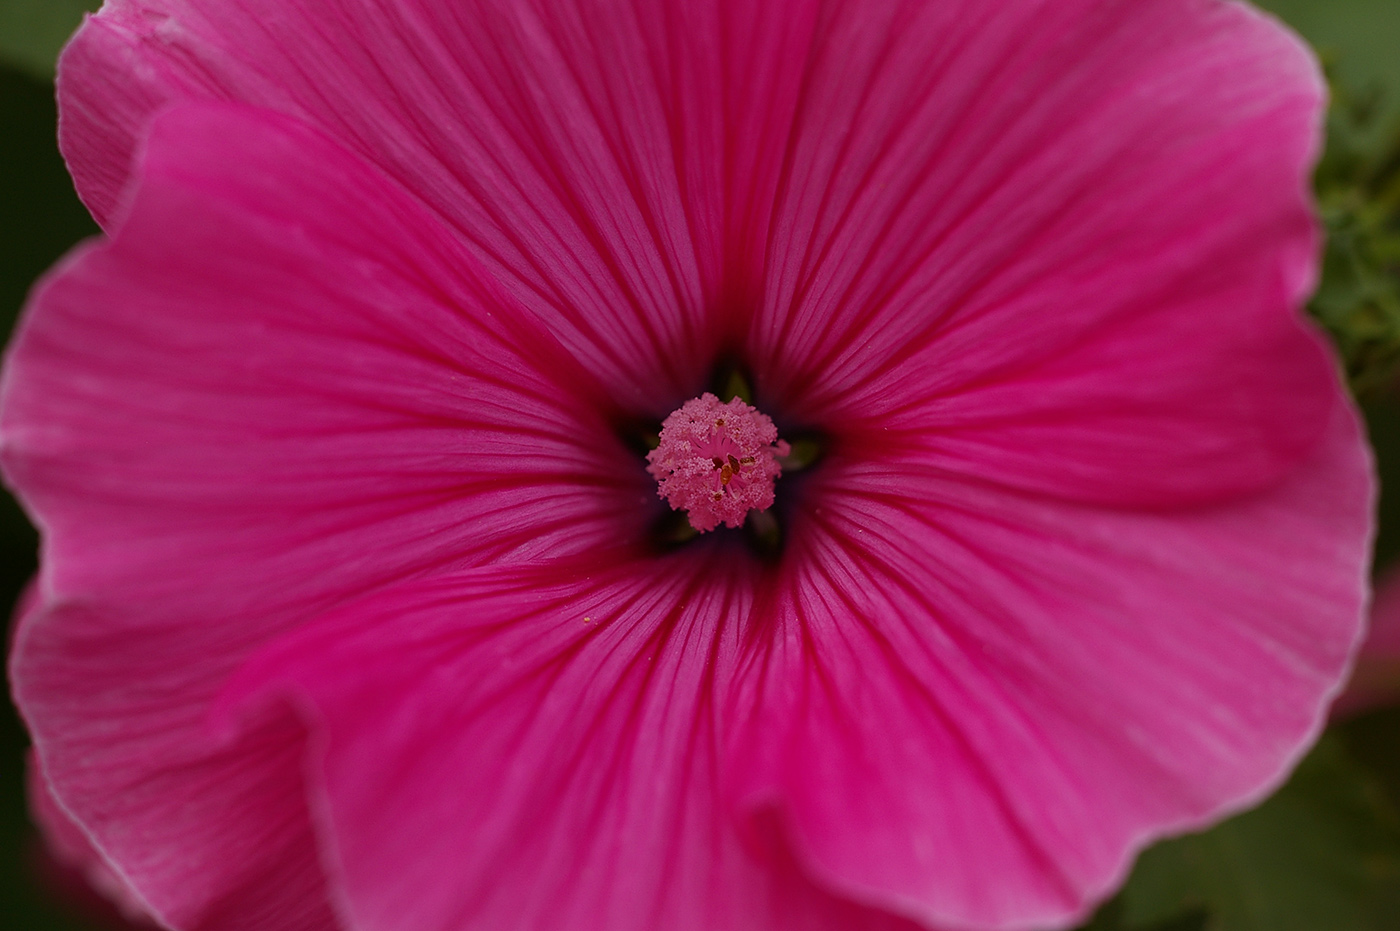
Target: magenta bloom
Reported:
point(361, 606)
point(74, 868)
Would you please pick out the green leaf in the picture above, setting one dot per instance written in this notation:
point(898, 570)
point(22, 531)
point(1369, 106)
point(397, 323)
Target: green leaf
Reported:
point(1358, 182)
point(1322, 853)
point(1374, 740)
point(1360, 36)
point(1358, 190)
point(33, 31)
point(1110, 918)
point(1382, 412)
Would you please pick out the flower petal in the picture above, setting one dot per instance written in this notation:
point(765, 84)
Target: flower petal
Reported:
point(204, 838)
point(979, 704)
point(930, 198)
point(280, 354)
point(71, 849)
point(1061, 245)
point(539, 748)
point(279, 387)
point(612, 161)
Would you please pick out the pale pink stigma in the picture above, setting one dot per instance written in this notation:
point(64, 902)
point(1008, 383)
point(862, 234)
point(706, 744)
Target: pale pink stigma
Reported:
point(717, 461)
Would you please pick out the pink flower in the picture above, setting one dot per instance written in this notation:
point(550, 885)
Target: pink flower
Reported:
point(76, 871)
point(359, 607)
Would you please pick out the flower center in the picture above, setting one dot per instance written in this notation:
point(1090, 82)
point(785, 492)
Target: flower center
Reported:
point(717, 461)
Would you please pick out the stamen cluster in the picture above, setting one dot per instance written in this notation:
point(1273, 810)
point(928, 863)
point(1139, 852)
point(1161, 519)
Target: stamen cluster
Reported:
point(717, 461)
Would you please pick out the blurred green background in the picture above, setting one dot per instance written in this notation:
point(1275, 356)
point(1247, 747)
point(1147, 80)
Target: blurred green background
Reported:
point(1321, 855)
